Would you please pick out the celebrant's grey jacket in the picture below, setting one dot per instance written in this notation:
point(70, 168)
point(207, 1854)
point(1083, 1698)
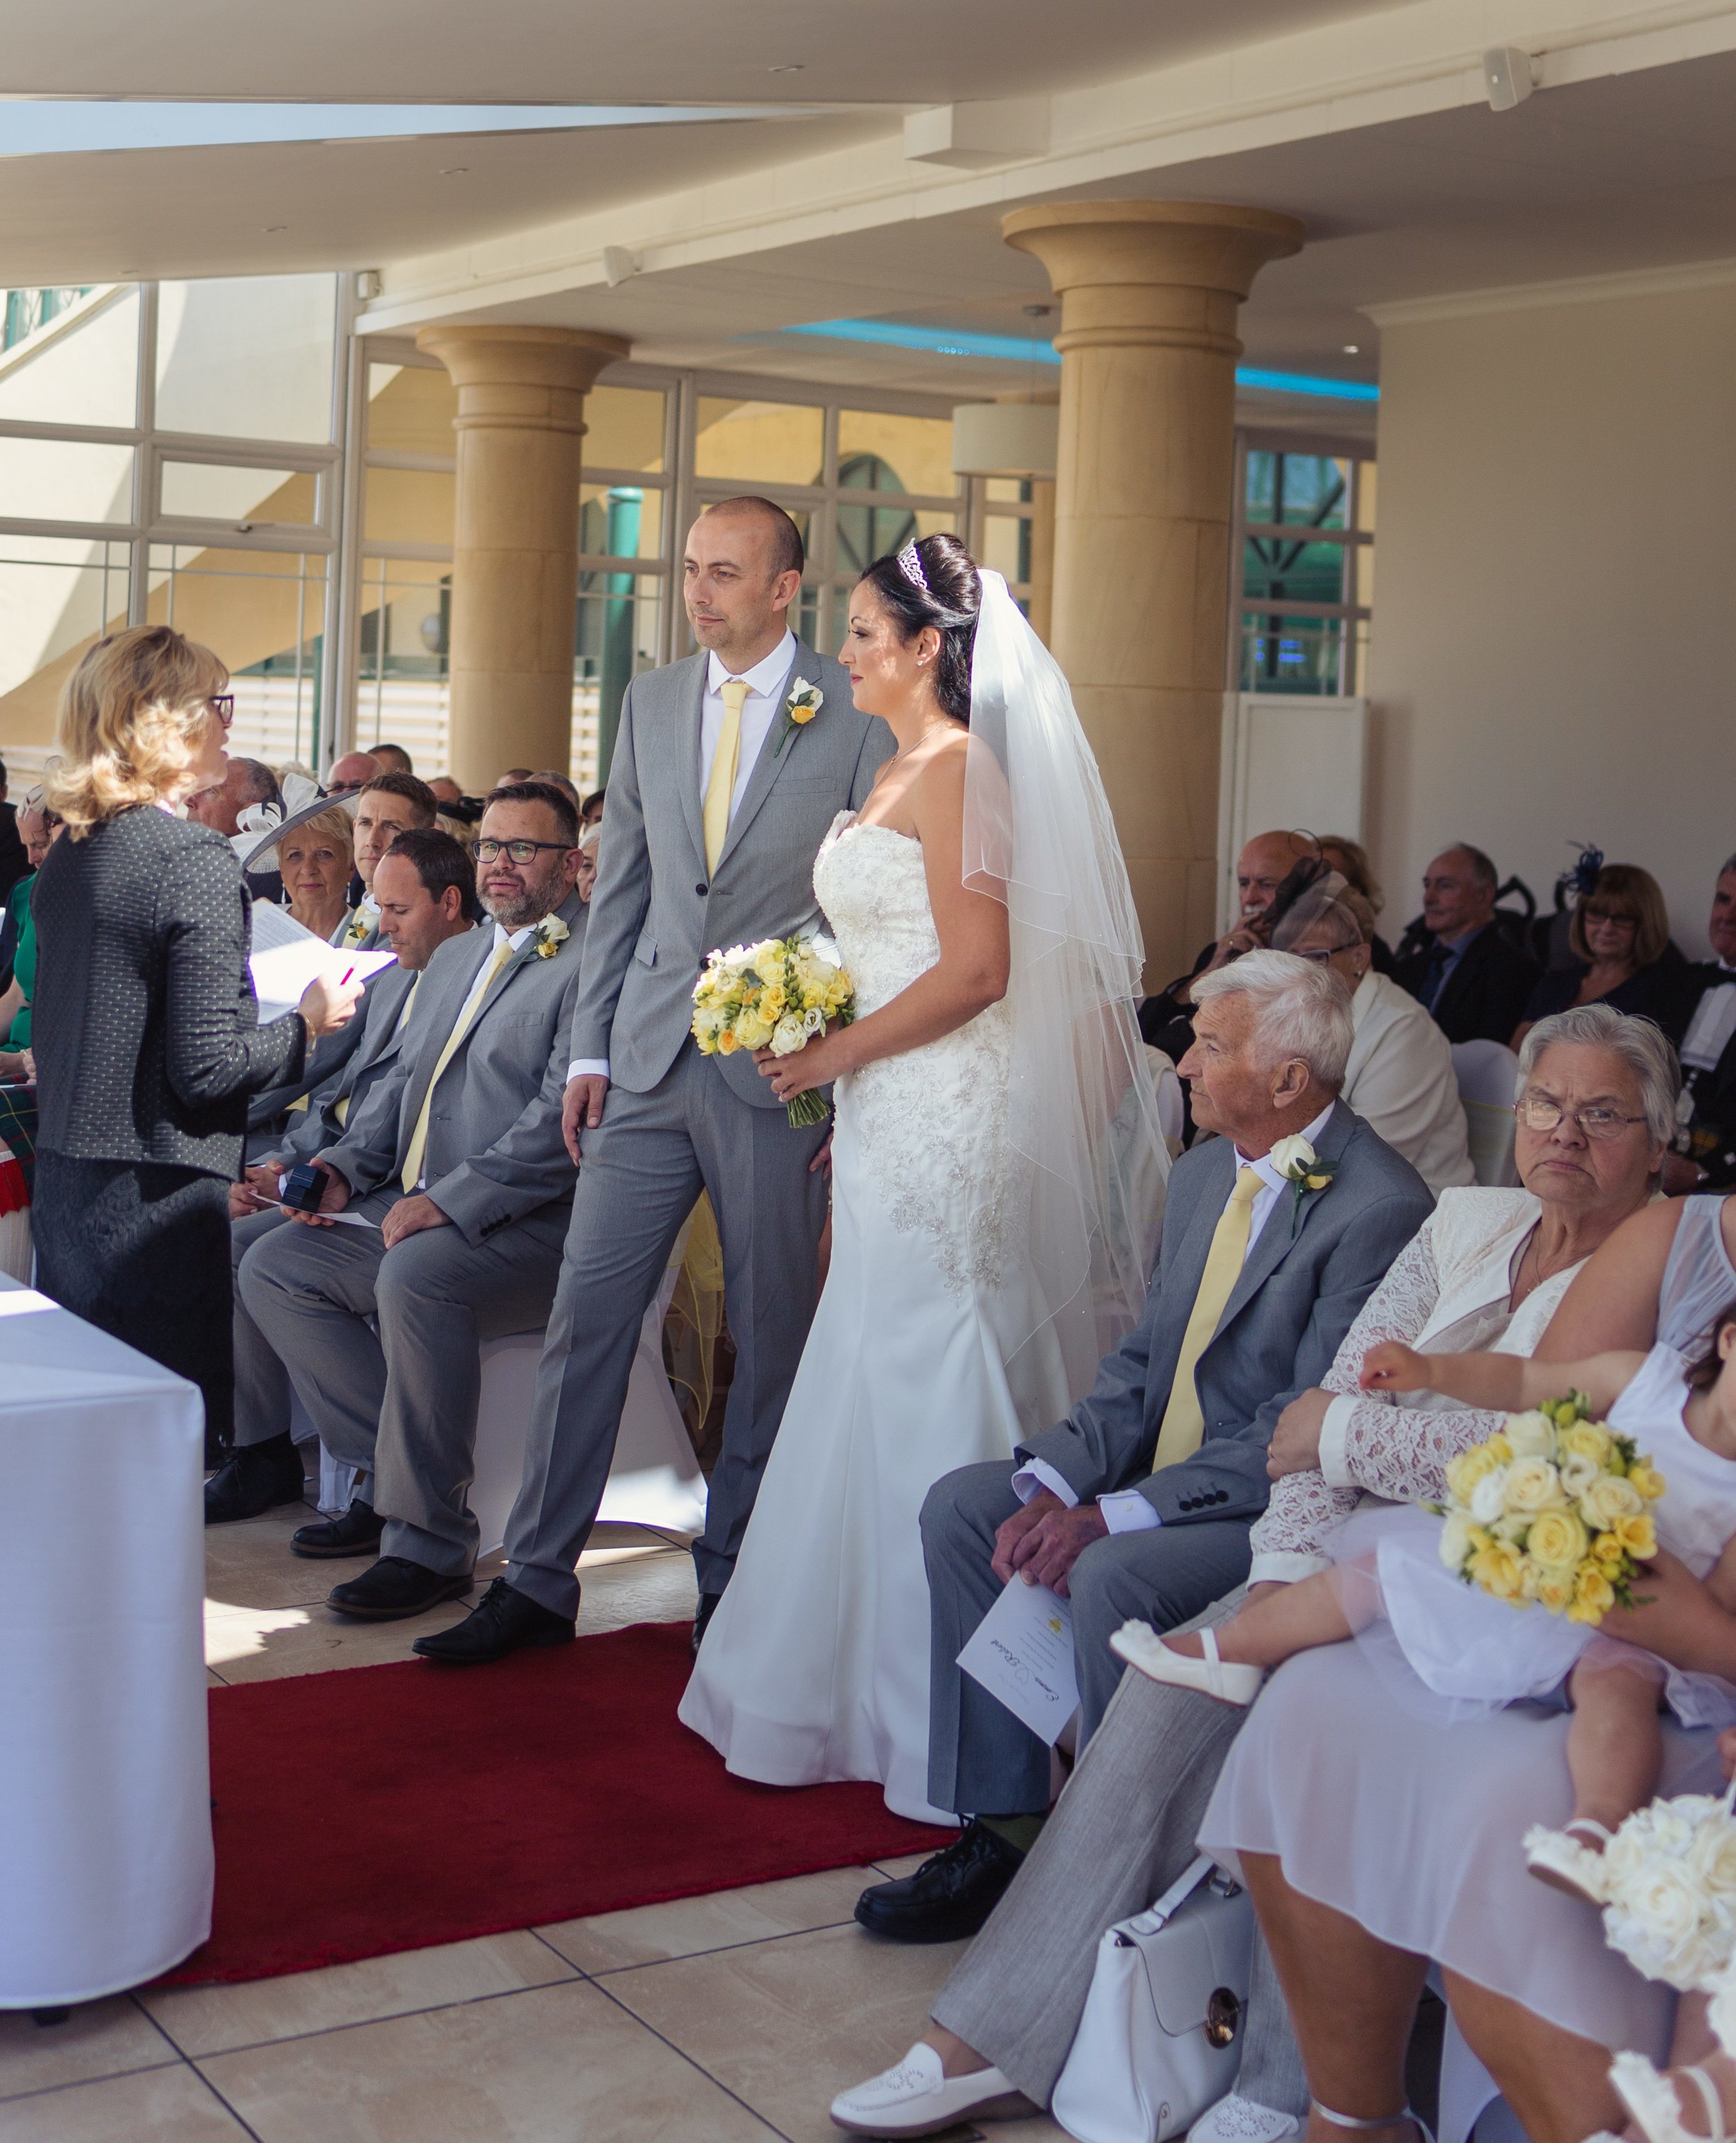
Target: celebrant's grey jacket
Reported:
point(657, 911)
point(494, 1146)
point(1295, 1299)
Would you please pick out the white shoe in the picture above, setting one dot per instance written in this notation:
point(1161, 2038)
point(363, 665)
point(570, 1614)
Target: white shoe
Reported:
point(1141, 1646)
point(918, 2098)
point(1650, 2098)
point(1239, 2119)
point(1557, 1857)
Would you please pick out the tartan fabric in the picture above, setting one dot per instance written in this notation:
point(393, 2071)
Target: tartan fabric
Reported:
point(17, 1146)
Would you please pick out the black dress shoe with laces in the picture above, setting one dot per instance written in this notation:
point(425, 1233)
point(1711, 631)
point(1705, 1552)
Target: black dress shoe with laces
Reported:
point(253, 1479)
point(949, 1897)
point(503, 1621)
point(395, 1587)
point(357, 1532)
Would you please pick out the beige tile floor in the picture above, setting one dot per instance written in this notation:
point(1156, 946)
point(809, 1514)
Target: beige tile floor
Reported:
point(720, 2019)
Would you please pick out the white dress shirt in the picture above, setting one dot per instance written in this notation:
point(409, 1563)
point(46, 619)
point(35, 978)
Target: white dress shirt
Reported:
point(517, 939)
point(765, 683)
point(1713, 1024)
point(1126, 1510)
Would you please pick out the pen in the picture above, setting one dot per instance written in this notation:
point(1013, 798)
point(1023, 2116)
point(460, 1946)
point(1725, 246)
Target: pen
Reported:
point(348, 972)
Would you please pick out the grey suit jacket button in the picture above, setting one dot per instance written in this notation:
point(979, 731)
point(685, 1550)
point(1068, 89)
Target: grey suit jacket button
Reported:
point(702, 888)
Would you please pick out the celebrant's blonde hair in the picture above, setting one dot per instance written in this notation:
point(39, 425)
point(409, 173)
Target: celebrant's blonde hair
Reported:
point(132, 717)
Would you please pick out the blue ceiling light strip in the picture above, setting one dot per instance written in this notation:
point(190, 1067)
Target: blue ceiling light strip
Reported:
point(1017, 349)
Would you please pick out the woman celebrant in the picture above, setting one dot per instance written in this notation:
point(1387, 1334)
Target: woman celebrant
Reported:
point(147, 1029)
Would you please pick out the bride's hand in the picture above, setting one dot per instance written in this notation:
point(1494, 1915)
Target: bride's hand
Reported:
point(814, 1064)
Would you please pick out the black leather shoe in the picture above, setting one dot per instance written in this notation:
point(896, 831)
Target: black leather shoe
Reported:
point(502, 1620)
point(949, 1897)
point(357, 1532)
point(254, 1478)
point(394, 1588)
point(702, 1615)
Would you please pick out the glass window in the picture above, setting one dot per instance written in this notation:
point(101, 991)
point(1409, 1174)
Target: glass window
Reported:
point(617, 634)
point(56, 595)
point(1300, 654)
point(247, 357)
point(620, 521)
point(624, 429)
point(1006, 547)
point(217, 491)
point(907, 454)
point(408, 506)
point(65, 480)
point(85, 374)
point(1308, 489)
point(760, 442)
point(1007, 490)
point(264, 612)
point(410, 409)
point(1276, 567)
point(404, 693)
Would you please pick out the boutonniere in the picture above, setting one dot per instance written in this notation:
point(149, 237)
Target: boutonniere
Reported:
point(1302, 1168)
point(804, 702)
point(549, 936)
point(367, 918)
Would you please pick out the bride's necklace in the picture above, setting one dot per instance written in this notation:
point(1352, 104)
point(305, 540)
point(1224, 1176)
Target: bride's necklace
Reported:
point(922, 736)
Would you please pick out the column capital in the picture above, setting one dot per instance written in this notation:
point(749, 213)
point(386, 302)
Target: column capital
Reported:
point(1150, 271)
point(530, 377)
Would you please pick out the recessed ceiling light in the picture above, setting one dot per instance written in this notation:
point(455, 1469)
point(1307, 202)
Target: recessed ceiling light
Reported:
point(794, 69)
point(454, 171)
point(1352, 349)
point(271, 227)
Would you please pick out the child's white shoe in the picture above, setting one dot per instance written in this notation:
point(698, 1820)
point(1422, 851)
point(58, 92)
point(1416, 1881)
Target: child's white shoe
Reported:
point(1649, 2095)
point(1139, 1645)
point(1559, 1858)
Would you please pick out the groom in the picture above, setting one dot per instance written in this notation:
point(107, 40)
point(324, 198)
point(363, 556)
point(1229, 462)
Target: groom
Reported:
point(718, 803)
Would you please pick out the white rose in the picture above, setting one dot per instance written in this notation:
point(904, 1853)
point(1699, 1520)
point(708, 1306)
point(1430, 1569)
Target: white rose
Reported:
point(1293, 1156)
point(1722, 2013)
point(1712, 1857)
point(1532, 1435)
point(1489, 1498)
point(1456, 1540)
point(787, 1035)
point(1532, 1485)
point(1577, 1473)
point(1657, 1925)
point(1610, 1497)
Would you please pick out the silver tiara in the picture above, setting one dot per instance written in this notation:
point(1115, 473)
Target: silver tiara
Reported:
point(911, 565)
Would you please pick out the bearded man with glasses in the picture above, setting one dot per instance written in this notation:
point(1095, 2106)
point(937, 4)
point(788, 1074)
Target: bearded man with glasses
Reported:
point(457, 1161)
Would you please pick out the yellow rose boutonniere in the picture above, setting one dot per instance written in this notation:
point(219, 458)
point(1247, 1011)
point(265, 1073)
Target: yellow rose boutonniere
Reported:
point(803, 703)
point(550, 935)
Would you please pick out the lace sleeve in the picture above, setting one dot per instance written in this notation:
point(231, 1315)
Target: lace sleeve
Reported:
point(1304, 1512)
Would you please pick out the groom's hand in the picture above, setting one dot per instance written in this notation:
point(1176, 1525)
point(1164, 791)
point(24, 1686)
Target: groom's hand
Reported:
point(582, 1109)
point(1042, 1543)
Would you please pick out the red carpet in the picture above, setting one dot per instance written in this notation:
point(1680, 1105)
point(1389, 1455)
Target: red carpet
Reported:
point(386, 1807)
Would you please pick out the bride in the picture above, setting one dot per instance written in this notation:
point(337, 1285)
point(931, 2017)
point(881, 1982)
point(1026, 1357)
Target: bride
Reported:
point(998, 1171)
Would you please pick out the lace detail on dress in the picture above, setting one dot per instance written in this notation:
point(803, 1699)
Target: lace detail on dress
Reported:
point(932, 1122)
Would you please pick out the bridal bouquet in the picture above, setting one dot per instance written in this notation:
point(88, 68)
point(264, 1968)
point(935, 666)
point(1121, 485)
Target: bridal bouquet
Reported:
point(1670, 1893)
point(1551, 1509)
point(776, 995)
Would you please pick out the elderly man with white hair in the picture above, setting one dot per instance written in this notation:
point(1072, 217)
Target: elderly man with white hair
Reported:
point(1140, 1504)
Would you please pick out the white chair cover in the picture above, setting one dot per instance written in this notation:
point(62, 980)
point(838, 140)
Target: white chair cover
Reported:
point(1487, 1073)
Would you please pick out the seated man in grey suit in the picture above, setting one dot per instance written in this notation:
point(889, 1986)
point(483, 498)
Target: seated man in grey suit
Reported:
point(458, 1163)
point(1141, 1502)
point(426, 892)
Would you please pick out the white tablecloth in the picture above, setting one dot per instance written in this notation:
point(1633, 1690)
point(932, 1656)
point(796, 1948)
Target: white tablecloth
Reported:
point(105, 1858)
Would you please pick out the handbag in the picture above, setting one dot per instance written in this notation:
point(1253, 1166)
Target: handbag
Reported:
point(1161, 2037)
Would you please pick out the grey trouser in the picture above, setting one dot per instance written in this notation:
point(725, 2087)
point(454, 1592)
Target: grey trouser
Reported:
point(262, 1382)
point(980, 1760)
point(402, 1405)
point(1121, 1833)
point(641, 1175)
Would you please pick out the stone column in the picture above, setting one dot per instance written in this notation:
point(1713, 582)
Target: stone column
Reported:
point(1042, 557)
point(1148, 293)
point(516, 539)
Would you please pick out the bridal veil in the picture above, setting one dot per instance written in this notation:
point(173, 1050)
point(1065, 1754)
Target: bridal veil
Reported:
point(1090, 1161)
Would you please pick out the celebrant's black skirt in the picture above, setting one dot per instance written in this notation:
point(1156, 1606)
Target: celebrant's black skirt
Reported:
point(142, 1250)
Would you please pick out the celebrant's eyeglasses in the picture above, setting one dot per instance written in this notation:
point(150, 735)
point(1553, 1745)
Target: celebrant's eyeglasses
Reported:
point(1538, 1115)
point(222, 704)
point(520, 852)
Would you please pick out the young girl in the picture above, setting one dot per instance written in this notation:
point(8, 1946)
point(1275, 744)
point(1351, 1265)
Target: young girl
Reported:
point(1471, 1649)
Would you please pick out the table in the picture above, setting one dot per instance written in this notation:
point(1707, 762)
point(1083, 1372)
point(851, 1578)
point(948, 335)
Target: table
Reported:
point(106, 1856)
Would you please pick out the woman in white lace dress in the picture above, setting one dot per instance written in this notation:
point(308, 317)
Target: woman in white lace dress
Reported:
point(964, 1304)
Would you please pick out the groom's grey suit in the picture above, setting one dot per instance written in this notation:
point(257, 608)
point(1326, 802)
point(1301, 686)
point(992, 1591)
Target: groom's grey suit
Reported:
point(1305, 1277)
point(675, 1123)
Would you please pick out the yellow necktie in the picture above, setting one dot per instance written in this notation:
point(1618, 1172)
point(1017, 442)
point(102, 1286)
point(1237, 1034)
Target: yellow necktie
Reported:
point(341, 1112)
point(472, 1005)
point(1184, 1423)
point(720, 789)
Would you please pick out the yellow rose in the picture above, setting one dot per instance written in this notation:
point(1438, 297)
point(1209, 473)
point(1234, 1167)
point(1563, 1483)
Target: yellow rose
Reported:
point(1532, 1435)
point(1557, 1541)
point(1587, 1439)
point(1645, 1480)
point(1467, 1469)
point(1638, 1535)
point(1607, 1500)
point(1500, 1449)
point(801, 713)
point(752, 1032)
point(1593, 1594)
point(1497, 1570)
point(1555, 1594)
point(1533, 1484)
point(1607, 1547)
point(727, 1044)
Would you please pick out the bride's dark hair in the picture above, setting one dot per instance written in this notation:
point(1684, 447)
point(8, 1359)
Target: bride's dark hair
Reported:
point(934, 582)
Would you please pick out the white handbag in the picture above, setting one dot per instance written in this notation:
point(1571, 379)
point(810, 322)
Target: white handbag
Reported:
point(1161, 2037)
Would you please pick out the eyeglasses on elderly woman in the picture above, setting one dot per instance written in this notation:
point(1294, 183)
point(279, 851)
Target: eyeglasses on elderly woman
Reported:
point(1538, 1113)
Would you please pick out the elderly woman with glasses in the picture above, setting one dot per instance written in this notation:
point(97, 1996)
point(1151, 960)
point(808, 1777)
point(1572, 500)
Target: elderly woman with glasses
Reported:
point(1622, 956)
point(146, 1031)
point(1400, 1075)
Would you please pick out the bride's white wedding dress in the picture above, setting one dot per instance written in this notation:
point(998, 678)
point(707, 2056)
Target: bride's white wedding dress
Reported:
point(815, 1665)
